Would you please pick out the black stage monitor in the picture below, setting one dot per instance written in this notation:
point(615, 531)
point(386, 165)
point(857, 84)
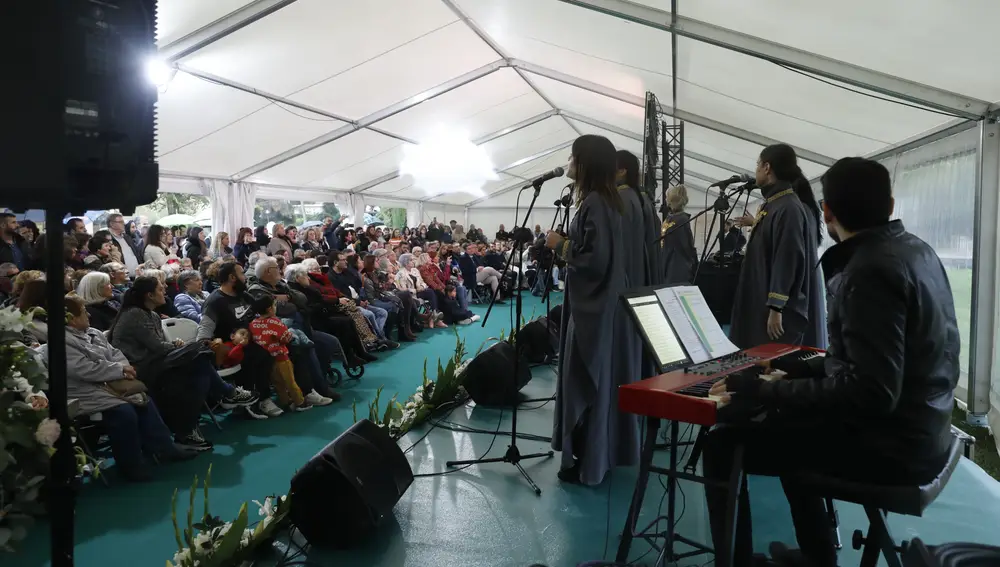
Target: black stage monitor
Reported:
point(658, 335)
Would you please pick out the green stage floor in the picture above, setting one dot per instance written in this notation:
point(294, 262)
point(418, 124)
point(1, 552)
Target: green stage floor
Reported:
point(482, 516)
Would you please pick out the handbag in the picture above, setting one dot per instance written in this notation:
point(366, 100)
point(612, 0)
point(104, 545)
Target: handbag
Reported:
point(132, 391)
point(183, 355)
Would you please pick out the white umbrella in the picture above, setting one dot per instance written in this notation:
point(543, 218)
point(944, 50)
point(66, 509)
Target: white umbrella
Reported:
point(176, 220)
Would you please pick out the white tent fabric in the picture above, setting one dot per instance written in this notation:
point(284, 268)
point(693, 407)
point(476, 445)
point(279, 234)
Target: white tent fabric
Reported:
point(315, 99)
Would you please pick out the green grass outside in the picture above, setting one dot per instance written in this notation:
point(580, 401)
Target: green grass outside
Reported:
point(986, 455)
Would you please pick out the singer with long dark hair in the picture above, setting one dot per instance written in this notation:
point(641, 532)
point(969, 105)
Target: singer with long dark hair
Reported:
point(679, 254)
point(588, 428)
point(779, 297)
point(641, 225)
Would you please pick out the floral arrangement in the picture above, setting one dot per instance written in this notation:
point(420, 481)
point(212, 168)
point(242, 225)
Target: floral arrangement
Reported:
point(27, 434)
point(213, 543)
point(398, 418)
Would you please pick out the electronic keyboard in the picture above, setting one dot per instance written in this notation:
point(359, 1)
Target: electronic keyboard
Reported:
point(683, 395)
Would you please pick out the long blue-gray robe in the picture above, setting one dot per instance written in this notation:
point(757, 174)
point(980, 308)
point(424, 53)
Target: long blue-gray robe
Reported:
point(679, 256)
point(587, 427)
point(781, 269)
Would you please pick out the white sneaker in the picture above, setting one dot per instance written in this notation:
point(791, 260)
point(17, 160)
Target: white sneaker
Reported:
point(269, 408)
point(305, 406)
point(561, 286)
point(316, 399)
point(252, 411)
point(465, 322)
point(474, 318)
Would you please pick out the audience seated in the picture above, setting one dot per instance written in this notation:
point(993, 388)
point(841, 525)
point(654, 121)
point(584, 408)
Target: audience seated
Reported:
point(192, 296)
point(96, 292)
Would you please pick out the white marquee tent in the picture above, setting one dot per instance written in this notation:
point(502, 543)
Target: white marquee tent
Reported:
point(315, 99)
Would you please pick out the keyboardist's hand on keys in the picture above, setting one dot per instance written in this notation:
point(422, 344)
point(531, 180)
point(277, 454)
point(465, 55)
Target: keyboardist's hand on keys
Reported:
point(745, 382)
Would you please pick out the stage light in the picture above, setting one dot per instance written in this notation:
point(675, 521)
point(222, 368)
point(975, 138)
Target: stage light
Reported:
point(159, 73)
point(447, 162)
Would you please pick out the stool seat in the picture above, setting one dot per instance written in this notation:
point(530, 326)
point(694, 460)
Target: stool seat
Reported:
point(908, 500)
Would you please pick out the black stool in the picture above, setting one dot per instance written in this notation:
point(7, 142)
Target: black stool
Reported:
point(879, 501)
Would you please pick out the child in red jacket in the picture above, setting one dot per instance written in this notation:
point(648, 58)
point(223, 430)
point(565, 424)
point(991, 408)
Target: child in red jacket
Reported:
point(270, 333)
point(230, 353)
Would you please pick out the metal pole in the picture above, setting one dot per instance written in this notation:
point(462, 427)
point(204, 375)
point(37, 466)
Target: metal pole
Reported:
point(62, 488)
point(984, 271)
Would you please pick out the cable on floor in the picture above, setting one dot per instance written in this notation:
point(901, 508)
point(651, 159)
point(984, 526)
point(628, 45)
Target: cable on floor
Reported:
point(463, 467)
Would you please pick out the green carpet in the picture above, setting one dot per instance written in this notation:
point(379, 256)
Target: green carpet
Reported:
point(481, 516)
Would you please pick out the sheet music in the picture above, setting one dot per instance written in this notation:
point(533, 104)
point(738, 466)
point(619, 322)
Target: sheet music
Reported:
point(682, 325)
point(712, 337)
point(654, 323)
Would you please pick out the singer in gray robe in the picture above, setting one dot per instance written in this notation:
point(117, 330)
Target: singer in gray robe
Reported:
point(593, 362)
point(780, 273)
point(679, 254)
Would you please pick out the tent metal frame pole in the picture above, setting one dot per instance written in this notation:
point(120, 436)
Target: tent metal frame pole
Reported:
point(984, 271)
point(224, 26)
point(371, 119)
point(695, 119)
point(500, 51)
point(479, 141)
point(518, 163)
point(633, 136)
point(868, 79)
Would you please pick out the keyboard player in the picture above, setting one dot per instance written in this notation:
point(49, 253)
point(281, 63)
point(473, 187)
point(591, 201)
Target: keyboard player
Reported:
point(878, 408)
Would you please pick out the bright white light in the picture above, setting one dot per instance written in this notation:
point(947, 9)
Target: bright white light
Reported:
point(447, 162)
point(159, 73)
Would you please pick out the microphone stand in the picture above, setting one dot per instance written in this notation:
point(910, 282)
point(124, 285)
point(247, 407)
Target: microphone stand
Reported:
point(721, 214)
point(513, 455)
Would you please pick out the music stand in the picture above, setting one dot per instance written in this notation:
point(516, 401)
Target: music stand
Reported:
point(521, 236)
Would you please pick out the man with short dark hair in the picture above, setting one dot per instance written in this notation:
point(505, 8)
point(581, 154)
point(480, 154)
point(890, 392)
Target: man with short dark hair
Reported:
point(75, 226)
point(877, 408)
point(14, 248)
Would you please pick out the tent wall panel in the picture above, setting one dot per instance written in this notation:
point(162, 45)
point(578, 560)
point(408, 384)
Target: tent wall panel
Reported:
point(177, 18)
point(332, 164)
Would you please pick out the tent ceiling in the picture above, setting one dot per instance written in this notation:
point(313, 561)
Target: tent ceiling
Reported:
point(324, 93)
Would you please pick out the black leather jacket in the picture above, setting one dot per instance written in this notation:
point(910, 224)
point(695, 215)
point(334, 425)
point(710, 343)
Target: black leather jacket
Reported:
point(893, 361)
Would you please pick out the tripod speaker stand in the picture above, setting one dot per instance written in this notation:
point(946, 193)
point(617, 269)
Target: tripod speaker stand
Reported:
point(521, 236)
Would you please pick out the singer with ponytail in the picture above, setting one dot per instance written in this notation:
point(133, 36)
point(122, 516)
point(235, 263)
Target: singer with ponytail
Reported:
point(779, 297)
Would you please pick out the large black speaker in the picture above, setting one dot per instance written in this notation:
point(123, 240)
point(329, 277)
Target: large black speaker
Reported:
point(348, 488)
point(490, 379)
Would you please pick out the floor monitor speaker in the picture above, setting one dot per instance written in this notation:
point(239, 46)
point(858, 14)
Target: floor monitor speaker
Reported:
point(490, 379)
point(343, 493)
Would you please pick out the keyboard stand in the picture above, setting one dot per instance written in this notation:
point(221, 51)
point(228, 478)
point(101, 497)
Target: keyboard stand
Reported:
point(735, 484)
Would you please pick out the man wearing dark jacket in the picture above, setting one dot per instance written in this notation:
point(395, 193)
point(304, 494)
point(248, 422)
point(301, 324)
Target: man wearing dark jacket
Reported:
point(877, 408)
point(14, 249)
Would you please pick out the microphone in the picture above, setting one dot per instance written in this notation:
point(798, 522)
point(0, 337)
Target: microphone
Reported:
point(742, 178)
point(537, 182)
point(567, 200)
point(558, 203)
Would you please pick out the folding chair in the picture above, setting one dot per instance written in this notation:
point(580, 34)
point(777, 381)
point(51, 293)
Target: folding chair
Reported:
point(183, 329)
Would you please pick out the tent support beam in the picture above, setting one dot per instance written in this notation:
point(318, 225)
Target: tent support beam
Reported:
point(634, 100)
point(633, 136)
point(984, 270)
point(874, 81)
point(517, 163)
point(500, 51)
point(228, 24)
point(371, 119)
point(282, 100)
point(479, 141)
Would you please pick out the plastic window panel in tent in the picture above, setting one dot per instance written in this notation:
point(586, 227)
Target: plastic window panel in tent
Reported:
point(529, 141)
point(488, 104)
point(625, 56)
point(364, 171)
point(401, 73)
point(312, 40)
point(759, 96)
point(178, 18)
point(592, 105)
point(324, 162)
point(192, 108)
point(248, 141)
point(893, 37)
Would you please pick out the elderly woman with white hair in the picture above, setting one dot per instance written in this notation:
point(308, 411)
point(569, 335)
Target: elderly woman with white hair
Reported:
point(191, 299)
point(96, 292)
point(408, 278)
point(679, 256)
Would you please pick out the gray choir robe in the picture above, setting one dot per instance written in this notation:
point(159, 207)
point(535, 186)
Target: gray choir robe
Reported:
point(679, 254)
point(597, 347)
point(640, 233)
point(654, 256)
point(780, 269)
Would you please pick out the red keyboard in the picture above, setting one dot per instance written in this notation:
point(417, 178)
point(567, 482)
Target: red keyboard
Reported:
point(682, 395)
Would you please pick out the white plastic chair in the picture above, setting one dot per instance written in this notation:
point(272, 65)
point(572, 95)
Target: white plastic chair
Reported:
point(183, 329)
